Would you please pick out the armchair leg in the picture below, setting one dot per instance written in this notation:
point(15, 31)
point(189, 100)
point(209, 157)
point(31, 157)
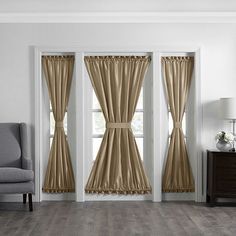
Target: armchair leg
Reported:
point(30, 202)
point(24, 198)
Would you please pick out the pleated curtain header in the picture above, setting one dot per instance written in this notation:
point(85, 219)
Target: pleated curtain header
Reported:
point(118, 58)
point(54, 57)
point(177, 59)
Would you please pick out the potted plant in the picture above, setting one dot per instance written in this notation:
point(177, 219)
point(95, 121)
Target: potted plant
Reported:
point(224, 141)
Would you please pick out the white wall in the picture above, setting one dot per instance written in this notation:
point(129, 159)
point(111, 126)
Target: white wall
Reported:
point(114, 5)
point(218, 42)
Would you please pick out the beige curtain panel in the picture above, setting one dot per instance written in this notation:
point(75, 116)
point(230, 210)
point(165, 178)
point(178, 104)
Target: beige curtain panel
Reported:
point(58, 72)
point(177, 73)
point(117, 81)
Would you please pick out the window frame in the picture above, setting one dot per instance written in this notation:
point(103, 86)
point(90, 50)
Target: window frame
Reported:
point(137, 136)
point(80, 130)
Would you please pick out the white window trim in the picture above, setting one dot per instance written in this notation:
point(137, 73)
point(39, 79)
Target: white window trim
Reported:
point(155, 126)
point(195, 154)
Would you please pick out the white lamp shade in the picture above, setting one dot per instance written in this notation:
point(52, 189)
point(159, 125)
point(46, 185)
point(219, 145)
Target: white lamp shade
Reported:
point(228, 108)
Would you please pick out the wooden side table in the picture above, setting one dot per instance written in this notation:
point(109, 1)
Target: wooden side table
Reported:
point(221, 175)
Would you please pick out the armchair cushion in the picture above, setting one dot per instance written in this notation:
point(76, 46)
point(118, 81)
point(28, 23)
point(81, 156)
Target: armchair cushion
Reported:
point(15, 175)
point(24, 187)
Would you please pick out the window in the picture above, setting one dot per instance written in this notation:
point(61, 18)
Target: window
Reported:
point(52, 124)
point(98, 125)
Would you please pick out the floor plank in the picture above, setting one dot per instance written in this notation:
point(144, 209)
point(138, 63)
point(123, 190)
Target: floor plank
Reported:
point(116, 218)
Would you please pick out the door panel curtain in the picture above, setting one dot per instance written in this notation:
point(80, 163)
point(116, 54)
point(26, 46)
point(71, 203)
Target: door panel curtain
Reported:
point(177, 73)
point(58, 71)
point(117, 82)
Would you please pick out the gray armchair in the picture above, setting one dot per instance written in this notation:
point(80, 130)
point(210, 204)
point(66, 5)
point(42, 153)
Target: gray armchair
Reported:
point(16, 174)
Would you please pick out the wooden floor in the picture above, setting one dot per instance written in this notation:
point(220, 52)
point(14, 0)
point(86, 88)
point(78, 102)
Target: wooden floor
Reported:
point(116, 218)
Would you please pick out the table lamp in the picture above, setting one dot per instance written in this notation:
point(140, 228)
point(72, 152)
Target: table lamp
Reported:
point(228, 112)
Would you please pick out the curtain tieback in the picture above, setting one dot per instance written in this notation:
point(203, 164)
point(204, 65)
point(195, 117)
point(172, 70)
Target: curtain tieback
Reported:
point(59, 124)
point(177, 125)
point(111, 125)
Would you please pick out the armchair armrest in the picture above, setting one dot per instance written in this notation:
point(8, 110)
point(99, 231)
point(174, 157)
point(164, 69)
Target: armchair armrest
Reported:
point(26, 163)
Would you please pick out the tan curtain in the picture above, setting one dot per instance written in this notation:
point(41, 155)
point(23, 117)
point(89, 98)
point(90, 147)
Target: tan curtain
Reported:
point(58, 72)
point(117, 82)
point(177, 73)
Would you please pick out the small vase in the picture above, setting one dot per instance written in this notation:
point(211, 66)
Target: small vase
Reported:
point(223, 146)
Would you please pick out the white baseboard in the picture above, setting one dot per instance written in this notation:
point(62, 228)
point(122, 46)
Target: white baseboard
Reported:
point(13, 198)
point(45, 197)
point(88, 197)
point(93, 197)
point(58, 197)
point(178, 196)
